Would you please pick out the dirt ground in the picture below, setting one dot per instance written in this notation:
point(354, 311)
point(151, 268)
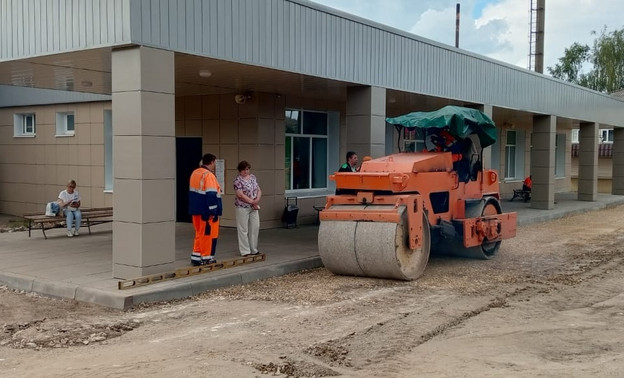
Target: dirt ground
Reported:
point(550, 304)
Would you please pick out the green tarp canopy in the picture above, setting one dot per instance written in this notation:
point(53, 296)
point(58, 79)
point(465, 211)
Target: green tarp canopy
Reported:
point(460, 121)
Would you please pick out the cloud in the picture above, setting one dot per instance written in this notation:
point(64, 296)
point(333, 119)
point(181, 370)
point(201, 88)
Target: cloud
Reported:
point(585, 16)
point(485, 36)
point(399, 14)
point(438, 25)
point(498, 29)
point(511, 34)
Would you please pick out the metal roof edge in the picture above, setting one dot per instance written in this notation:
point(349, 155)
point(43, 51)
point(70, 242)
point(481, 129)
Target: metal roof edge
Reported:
point(14, 96)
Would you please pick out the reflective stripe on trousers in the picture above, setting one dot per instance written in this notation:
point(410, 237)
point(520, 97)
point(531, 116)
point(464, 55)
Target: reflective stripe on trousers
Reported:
point(206, 236)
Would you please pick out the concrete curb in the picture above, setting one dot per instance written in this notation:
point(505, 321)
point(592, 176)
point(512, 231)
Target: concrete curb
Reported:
point(119, 301)
point(17, 281)
point(63, 290)
point(554, 214)
point(168, 290)
point(202, 283)
point(57, 289)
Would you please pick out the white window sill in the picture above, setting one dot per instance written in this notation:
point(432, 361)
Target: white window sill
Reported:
point(64, 135)
point(308, 193)
point(25, 136)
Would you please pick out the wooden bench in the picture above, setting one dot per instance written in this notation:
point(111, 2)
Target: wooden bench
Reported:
point(520, 193)
point(90, 217)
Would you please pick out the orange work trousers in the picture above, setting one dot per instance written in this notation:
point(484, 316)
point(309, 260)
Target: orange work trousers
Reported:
point(206, 235)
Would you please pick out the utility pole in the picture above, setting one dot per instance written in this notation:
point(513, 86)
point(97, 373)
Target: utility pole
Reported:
point(536, 35)
point(457, 25)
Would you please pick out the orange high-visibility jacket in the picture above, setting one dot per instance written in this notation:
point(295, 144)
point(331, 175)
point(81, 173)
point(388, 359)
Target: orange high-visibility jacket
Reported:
point(528, 182)
point(204, 194)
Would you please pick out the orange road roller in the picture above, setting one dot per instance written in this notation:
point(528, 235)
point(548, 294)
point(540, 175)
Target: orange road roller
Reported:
point(397, 209)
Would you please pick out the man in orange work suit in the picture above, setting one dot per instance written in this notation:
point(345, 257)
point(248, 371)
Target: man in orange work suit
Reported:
point(527, 184)
point(205, 207)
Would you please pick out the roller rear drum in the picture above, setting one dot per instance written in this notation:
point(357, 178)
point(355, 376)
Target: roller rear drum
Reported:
point(485, 251)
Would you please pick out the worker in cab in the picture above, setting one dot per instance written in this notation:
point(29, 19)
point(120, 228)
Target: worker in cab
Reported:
point(527, 183)
point(447, 140)
point(440, 141)
point(351, 164)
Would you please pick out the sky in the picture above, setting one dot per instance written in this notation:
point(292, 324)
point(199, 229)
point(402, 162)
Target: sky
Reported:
point(498, 29)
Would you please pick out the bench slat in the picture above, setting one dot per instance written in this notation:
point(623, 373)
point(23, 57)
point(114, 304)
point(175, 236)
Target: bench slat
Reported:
point(84, 211)
point(90, 217)
point(44, 218)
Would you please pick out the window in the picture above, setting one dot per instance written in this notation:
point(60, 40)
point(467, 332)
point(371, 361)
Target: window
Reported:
point(108, 150)
point(24, 124)
point(575, 135)
point(65, 124)
point(496, 154)
point(306, 148)
point(560, 146)
point(510, 154)
point(606, 136)
point(413, 139)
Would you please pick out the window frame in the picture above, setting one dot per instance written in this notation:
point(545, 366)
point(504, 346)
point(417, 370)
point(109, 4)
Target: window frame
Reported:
point(560, 155)
point(510, 169)
point(62, 122)
point(108, 151)
point(20, 125)
point(413, 139)
point(574, 137)
point(289, 166)
point(606, 135)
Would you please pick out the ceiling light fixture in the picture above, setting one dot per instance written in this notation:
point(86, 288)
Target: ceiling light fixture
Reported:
point(205, 73)
point(240, 99)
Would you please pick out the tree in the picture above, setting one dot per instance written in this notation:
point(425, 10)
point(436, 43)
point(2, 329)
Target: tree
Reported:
point(606, 58)
point(569, 66)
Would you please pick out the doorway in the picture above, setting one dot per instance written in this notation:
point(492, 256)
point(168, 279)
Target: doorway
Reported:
point(188, 156)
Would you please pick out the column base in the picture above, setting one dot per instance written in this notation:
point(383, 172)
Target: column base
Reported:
point(126, 272)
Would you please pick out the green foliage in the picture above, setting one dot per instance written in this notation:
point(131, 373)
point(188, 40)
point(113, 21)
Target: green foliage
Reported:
point(608, 61)
point(606, 58)
point(569, 66)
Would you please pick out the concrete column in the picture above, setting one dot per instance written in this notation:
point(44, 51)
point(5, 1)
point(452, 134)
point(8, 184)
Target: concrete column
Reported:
point(487, 151)
point(588, 162)
point(366, 121)
point(143, 95)
point(543, 162)
point(618, 161)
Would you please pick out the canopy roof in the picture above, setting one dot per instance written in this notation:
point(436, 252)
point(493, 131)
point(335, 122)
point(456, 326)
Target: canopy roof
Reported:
point(461, 122)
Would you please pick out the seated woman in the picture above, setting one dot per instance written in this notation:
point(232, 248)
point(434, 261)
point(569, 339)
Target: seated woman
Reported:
point(69, 202)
